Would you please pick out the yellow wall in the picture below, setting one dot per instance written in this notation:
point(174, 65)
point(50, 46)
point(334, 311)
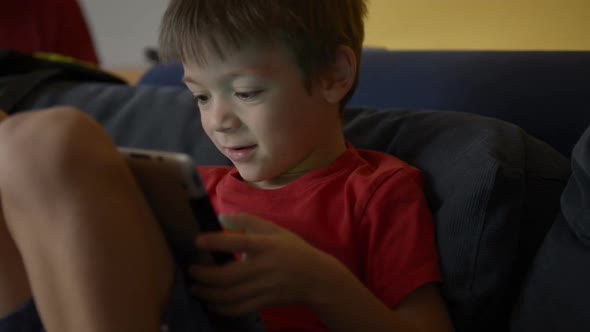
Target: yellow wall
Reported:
point(479, 24)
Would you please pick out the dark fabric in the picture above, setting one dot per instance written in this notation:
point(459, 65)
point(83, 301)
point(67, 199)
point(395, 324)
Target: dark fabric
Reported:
point(530, 89)
point(16, 63)
point(164, 75)
point(556, 294)
point(493, 189)
point(25, 319)
point(22, 86)
point(184, 313)
point(575, 201)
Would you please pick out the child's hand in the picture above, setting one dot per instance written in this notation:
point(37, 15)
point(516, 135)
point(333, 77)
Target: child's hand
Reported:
point(278, 268)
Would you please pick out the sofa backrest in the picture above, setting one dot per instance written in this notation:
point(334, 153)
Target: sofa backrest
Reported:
point(545, 93)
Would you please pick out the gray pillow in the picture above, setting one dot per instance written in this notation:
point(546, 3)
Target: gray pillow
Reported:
point(493, 190)
point(556, 292)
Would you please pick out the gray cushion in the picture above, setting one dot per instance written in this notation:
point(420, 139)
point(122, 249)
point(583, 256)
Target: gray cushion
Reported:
point(556, 292)
point(494, 192)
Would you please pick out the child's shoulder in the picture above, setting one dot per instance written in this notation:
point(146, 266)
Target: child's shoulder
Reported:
point(376, 164)
point(373, 172)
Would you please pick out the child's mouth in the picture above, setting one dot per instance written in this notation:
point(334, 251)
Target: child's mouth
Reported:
point(240, 154)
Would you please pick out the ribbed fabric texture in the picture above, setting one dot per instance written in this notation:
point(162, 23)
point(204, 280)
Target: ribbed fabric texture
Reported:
point(556, 292)
point(485, 181)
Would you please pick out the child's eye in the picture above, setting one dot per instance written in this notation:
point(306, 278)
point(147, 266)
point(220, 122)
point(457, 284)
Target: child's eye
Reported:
point(201, 99)
point(246, 96)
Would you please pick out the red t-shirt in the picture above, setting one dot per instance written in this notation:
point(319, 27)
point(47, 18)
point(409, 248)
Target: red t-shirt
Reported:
point(54, 26)
point(367, 209)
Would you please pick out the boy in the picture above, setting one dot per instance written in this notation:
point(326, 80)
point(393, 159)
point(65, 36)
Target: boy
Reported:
point(348, 245)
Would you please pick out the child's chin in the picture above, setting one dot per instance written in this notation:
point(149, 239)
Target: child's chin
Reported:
point(250, 176)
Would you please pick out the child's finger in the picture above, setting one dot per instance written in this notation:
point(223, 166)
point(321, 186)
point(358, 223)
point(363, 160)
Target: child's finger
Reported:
point(247, 306)
point(248, 224)
point(233, 293)
point(229, 242)
point(223, 276)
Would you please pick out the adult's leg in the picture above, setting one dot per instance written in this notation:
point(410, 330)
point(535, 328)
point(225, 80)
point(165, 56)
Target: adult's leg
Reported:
point(93, 253)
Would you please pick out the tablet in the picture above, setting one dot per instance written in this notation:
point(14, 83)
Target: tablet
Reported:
point(174, 191)
point(179, 201)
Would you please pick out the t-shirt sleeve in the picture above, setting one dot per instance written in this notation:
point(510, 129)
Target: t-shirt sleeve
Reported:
point(398, 233)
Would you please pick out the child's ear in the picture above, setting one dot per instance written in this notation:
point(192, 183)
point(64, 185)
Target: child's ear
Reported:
point(339, 77)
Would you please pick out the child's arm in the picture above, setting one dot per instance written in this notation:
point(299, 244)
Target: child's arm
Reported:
point(345, 304)
point(282, 269)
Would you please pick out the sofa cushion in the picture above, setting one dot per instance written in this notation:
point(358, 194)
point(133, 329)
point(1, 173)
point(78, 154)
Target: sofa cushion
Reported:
point(555, 294)
point(493, 189)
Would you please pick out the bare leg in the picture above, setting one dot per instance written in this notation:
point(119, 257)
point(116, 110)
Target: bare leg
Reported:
point(14, 287)
point(93, 253)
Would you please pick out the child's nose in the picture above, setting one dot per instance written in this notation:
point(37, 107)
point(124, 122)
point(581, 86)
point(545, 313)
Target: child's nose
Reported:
point(224, 119)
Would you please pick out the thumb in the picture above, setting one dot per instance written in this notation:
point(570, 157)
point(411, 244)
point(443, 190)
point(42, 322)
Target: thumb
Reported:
point(248, 223)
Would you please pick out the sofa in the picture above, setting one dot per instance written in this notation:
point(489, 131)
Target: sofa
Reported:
point(528, 88)
point(491, 131)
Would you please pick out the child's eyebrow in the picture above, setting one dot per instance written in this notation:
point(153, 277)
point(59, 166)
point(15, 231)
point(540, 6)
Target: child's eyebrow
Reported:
point(188, 79)
point(225, 79)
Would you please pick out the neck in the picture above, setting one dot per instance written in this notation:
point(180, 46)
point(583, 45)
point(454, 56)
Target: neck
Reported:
point(316, 159)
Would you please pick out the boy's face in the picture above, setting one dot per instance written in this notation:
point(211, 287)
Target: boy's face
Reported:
point(256, 109)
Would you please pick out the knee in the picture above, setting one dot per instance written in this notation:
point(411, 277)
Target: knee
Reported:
point(51, 142)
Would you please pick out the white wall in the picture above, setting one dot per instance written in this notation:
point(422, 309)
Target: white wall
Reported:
point(123, 28)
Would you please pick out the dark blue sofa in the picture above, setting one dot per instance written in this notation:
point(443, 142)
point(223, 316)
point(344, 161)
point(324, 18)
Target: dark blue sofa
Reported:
point(494, 190)
point(529, 89)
